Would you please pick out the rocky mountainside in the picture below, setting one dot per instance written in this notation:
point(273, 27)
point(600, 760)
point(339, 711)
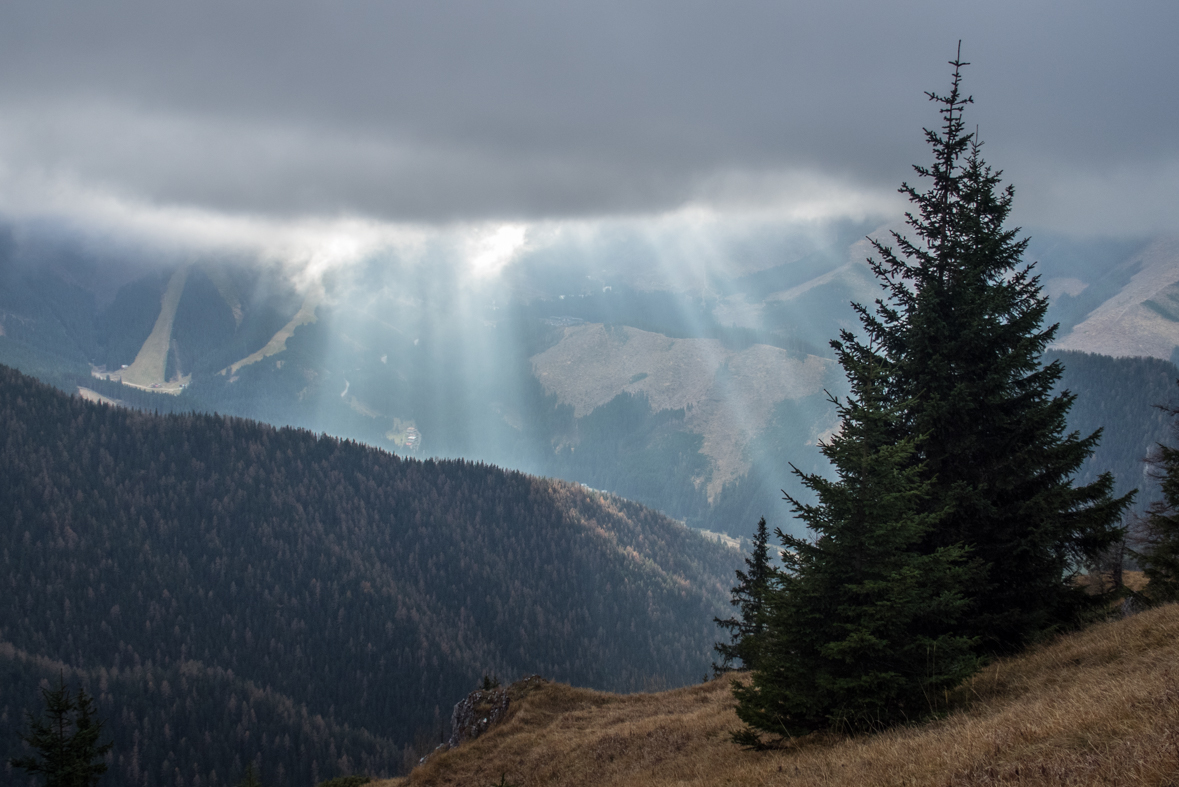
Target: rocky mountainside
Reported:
point(728, 395)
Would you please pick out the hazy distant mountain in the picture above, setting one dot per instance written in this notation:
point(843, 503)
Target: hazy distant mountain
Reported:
point(727, 394)
point(229, 590)
point(1140, 318)
point(695, 400)
point(396, 359)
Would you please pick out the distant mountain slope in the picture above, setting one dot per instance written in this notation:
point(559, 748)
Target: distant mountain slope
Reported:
point(728, 395)
point(198, 559)
point(278, 342)
point(1142, 317)
point(174, 722)
point(151, 362)
point(693, 401)
point(1121, 396)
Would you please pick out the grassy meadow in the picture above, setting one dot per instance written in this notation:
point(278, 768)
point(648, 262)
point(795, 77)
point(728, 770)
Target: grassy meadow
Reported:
point(1098, 707)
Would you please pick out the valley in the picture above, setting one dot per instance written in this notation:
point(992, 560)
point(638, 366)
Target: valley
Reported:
point(696, 403)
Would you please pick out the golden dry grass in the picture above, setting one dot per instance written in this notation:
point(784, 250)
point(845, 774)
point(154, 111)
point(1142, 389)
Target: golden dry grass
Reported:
point(1100, 707)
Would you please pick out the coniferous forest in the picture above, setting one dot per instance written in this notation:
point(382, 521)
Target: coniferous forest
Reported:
point(234, 593)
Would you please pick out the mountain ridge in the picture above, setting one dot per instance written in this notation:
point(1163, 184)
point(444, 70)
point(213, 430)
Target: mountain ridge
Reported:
point(1132, 322)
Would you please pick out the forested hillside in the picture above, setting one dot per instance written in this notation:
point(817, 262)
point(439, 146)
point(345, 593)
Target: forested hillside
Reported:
point(231, 591)
point(1120, 396)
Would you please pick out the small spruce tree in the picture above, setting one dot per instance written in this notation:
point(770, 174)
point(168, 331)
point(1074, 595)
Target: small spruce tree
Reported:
point(1158, 550)
point(249, 778)
point(66, 740)
point(749, 596)
point(860, 622)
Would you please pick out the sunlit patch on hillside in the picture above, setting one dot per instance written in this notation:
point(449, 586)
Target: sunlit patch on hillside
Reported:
point(728, 396)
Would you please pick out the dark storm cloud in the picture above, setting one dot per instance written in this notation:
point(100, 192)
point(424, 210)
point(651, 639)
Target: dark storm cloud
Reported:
point(439, 111)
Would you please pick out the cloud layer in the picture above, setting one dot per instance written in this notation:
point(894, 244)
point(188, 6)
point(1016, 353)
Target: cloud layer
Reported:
point(472, 114)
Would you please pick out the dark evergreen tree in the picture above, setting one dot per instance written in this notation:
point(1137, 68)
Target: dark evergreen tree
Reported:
point(1158, 548)
point(749, 596)
point(959, 337)
point(861, 619)
point(346, 781)
point(66, 740)
point(249, 778)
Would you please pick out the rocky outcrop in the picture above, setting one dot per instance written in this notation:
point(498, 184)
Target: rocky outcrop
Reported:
point(473, 715)
point(482, 709)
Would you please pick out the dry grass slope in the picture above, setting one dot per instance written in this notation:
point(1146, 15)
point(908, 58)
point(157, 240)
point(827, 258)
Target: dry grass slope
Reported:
point(1126, 325)
point(1100, 707)
point(151, 361)
point(594, 363)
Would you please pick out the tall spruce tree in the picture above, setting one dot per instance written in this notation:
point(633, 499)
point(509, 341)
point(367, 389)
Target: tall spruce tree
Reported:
point(953, 526)
point(959, 338)
point(861, 619)
point(750, 597)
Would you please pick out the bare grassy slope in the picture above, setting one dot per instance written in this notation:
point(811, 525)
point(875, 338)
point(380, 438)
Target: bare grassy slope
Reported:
point(278, 343)
point(729, 395)
point(151, 362)
point(1098, 707)
point(1142, 318)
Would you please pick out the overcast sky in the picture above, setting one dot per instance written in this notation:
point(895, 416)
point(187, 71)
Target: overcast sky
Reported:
point(211, 116)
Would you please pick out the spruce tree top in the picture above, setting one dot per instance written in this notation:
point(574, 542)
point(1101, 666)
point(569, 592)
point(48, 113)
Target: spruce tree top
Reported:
point(964, 268)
